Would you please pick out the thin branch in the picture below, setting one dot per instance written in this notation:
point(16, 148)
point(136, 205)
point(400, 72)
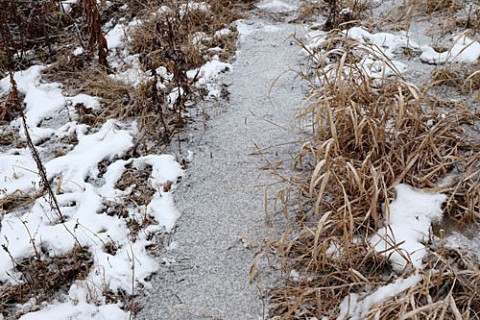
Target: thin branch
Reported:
point(13, 98)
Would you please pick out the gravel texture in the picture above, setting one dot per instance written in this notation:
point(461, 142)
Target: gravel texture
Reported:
point(205, 271)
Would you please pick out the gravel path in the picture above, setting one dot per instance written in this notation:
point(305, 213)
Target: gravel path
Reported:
point(205, 274)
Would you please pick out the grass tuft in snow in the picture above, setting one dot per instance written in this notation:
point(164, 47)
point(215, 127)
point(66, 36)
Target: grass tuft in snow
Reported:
point(339, 14)
point(385, 160)
point(43, 276)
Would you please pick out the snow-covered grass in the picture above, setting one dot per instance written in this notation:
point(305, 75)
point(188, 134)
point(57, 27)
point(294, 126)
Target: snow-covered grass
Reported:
point(89, 200)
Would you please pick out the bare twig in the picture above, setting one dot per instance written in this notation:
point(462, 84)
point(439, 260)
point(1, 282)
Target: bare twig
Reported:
point(14, 99)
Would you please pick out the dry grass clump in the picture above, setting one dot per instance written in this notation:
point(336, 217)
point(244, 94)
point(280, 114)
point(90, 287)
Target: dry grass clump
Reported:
point(466, 79)
point(458, 17)
point(7, 136)
point(448, 76)
point(340, 13)
point(31, 31)
point(471, 20)
point(122, 101)
point(43, 277)
point(8, 109)
point(440, 5)
point(378, 137)
point(180, 35)
point(116, 96)
point(449, 289)
point(16, 200)
point(309, 11)
point(431, 6)
point(34, 32)
point(328, 270)
point(366, 138)
point(44, 32)
point(445, 16)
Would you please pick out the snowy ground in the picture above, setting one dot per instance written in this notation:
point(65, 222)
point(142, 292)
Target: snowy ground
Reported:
point(85, 166)
point(205, 270)
point(87, 197)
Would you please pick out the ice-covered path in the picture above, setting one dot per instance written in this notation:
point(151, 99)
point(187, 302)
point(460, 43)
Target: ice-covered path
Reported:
point(206, 269)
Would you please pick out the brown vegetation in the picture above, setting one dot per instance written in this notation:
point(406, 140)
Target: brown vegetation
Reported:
point(43, 277)
point(367, 136)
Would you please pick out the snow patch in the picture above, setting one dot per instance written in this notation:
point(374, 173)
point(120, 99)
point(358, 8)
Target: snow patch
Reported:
point(276, 6)
point(407, 227)
point(82, 162)
point(375, 50)
point(116, 36)
point(67, 4)
point(41, 101)
point(185, 8)
point(356, 306)
point(208, 75)
point(385, 43)
point(464, 50)
point(78, 307)
point(225, 32)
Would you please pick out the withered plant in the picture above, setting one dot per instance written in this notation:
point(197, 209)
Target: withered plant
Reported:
point(14, 100)
point(367, 136)
point(96, 40)
point(439, 5)
point(465, 79)
point(31, 31)
point(344, 13)
point(42, 278)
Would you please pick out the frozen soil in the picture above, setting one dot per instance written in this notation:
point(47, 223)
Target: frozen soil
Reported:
point(204, 273)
